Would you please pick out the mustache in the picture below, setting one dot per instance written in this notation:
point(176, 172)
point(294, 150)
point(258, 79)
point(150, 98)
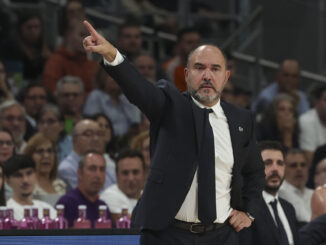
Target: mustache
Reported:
point(273, 175)
point(207, 82)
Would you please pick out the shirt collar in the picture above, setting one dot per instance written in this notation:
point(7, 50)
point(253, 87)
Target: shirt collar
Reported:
point(217, 108)
point(269, 197)
point(292, 188)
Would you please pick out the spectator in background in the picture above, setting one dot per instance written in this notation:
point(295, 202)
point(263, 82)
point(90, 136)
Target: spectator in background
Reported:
point(70, 98)
point(313, 124)
point(146, 66)
point(73, 9)
point(91, 178)
point(87, 136)
point(108, 99)
point(275, 223)
point(48, 187)
point(293, 188)
point(13, 118)
point(130, 175)
point(20, 176)
point(288, 81)
point(5, 93)
point(51, 124)
point(7, 147)
point(141, 143)
point(29, 49)
point(188, 40)
point(129, 40)
point(70, 59)
point(228, 93)
point(280, 122)
point(2, 188)
point(317, 170)
point(33, 97)
point(242, 97)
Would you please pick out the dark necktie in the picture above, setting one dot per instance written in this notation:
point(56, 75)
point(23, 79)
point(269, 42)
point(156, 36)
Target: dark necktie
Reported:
point(284, 238)
point(206, 175)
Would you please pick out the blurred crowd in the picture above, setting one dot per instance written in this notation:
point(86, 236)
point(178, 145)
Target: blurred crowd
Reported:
point(68, 135)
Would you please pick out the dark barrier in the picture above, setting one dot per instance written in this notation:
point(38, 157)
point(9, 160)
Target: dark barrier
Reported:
point(70, 237)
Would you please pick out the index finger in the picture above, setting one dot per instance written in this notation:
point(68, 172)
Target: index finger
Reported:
point(90, 28)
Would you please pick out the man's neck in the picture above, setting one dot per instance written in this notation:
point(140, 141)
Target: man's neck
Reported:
point(92, 197)
point(28, 200)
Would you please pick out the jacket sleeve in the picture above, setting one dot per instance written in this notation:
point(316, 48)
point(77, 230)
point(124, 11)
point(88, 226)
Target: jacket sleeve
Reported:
point(148, 98)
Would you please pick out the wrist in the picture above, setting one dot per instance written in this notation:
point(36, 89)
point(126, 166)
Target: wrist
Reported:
point(250, 217)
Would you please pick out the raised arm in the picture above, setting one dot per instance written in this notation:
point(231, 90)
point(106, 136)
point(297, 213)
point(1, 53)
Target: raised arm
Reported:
point(150, 99)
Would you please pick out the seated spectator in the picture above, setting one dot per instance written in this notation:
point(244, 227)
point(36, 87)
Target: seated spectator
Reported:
point(51, 124)
point(313, 124)
point(109, 149)
point(293, 188)
point(20, 176)
point(108, 99)
point(317, 170)
point(32, 97)
point(73, 9)
point(242, 97)
point(7, 148)
point(288, 80)
point(70, 59)
point(188, 40)
point(13, 118)
point(141, 143)
point(70, 98)
point(129, 40)
point(91, 178)
point(87, 136)
point(5, 92)
point(280, 122)
point(28, 49)
point(146, 66)
point(130, 175)
point(48, 187)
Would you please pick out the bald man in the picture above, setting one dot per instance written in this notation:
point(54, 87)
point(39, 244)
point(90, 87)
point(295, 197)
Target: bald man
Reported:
point(206, 172)
point(87, 136)
point(288, 81)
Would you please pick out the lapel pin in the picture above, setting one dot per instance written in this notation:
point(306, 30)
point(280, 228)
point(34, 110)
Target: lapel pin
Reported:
point(240, 129)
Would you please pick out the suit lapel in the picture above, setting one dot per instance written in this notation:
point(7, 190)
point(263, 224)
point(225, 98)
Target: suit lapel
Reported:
point(291, 219)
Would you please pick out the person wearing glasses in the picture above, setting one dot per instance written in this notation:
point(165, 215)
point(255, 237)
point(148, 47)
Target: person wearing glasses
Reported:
point(48, 187)
point(13, 118)
point(86, 136)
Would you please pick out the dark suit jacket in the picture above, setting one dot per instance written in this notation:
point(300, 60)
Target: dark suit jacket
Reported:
point(314, 233)
point(176, 135)
point(263, 230)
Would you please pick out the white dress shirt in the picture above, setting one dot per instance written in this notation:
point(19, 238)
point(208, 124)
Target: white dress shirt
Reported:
point(223, 166)
point(270, 198)
point(300, 199)
point(223, 171)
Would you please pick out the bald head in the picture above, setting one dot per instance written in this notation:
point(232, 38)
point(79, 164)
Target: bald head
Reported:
point(87, 136)
point(206, 48)
point(289, 76)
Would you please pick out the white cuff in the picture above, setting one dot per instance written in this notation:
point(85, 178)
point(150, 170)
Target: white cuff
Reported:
point(117, 61)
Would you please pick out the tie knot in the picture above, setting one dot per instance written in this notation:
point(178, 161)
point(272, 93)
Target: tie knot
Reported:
point(208, 110)
point(273, 203)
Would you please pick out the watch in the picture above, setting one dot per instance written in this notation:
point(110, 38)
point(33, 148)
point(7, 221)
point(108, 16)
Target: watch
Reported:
point(250, 217)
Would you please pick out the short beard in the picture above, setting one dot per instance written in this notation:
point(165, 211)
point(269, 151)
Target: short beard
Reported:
point(272, 189)
point(204, 99)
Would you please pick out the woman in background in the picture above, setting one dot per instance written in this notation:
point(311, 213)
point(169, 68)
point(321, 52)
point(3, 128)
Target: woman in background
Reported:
point(42, 150)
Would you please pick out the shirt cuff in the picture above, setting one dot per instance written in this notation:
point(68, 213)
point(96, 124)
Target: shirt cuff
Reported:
point(117, 61)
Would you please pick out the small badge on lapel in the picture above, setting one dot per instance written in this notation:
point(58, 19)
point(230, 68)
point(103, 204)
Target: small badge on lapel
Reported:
point(240, 129)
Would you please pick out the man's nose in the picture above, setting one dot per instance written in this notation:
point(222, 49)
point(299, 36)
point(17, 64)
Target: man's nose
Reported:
point(206, 75)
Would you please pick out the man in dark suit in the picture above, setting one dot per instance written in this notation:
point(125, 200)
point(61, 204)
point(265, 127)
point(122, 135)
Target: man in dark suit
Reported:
point(314, 233)
point(206, 172)
point(275, 223)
